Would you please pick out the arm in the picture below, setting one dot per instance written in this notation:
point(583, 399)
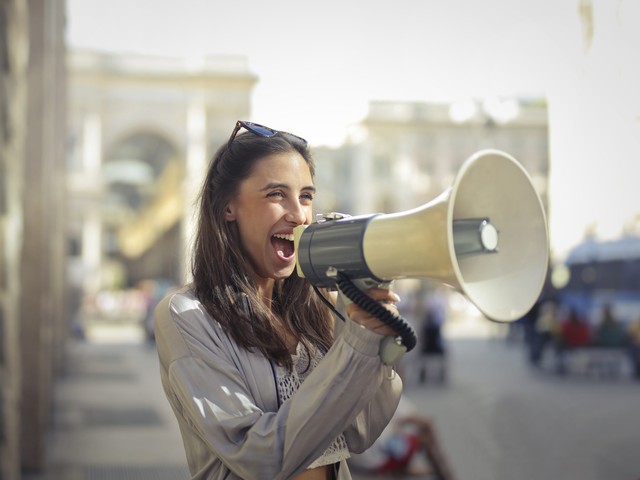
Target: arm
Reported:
point(372, 420)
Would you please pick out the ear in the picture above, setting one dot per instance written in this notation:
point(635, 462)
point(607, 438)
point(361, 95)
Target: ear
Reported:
point(230, 213)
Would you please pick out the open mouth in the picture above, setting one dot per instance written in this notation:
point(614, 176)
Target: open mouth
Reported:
point(283, 244)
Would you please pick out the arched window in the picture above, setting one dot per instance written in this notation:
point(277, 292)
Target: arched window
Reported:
point(132, 167)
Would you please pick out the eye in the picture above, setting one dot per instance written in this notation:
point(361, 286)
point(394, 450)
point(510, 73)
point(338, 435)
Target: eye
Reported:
point(307, 196)
point(275, 194)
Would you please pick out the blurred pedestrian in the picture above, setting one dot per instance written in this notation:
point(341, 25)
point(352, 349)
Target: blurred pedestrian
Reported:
point(609, 332)
point(527, 323)
point(545, 331)
point(634, 345)
point(575, 332)
point(432, 346)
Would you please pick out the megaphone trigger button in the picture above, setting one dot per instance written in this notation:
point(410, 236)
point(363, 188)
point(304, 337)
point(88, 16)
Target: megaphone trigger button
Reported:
point(391, 350)
point(393, 373)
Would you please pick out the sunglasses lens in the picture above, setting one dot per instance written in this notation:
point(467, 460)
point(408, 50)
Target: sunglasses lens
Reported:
point(263, 131)
point(260, 130)
point(294, 138)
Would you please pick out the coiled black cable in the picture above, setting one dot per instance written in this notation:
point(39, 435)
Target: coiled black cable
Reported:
point(357, 296)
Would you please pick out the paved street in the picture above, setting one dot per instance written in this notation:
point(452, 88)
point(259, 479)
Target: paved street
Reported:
point(500, 420)
point(111, 419)
point(497, 419)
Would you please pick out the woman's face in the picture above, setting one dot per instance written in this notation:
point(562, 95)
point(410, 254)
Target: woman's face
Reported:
point(274, 199)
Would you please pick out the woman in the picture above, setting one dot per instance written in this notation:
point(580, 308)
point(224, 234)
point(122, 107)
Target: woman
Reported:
point(261, 380)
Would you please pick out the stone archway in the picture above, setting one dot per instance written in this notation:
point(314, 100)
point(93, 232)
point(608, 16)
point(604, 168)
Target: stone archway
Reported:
point(133, 165)
point(142, 176)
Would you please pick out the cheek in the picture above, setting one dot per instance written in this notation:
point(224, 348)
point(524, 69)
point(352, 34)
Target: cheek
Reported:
point(248, 232)
point(253, 228)
point(309, 216)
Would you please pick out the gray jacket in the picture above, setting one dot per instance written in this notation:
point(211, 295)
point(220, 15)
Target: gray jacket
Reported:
point(225, 397)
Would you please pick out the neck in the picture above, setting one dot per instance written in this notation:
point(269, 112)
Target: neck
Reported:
point(265, 290)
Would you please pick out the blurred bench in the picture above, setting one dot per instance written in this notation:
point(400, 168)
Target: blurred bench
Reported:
point(594, 361)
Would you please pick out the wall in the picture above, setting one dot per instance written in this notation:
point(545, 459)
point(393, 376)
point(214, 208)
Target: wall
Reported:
point(32, 241)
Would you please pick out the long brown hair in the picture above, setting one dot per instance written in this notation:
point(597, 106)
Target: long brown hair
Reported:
point(221, 272)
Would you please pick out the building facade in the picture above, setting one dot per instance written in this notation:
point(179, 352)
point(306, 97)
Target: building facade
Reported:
point(404, 154)
point(141, 133)
point(32, 218)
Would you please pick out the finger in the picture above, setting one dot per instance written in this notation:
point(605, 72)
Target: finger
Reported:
point(385, 330)
point(369, 321)
point(383, 295)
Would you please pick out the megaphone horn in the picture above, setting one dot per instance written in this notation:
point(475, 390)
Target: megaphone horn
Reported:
point(486, 236)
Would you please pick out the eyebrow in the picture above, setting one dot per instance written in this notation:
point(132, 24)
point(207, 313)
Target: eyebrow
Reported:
point(272, 185)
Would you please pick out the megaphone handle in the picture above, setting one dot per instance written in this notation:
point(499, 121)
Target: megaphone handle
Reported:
point(363, 284)
point(347, 287)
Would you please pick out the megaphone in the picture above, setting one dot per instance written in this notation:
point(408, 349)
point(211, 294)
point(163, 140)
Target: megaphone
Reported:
point(485, 236)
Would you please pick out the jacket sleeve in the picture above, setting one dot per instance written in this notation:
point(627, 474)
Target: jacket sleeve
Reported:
point(212, 390)
point(373, 419)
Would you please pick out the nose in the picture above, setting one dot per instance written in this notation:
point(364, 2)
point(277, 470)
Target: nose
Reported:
point(296, 214)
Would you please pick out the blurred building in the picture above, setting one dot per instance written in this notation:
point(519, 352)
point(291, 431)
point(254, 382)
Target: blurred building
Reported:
point(404, 154)
point(33, 294)
point(101, 160)
point(141, 133)
point(598, 274)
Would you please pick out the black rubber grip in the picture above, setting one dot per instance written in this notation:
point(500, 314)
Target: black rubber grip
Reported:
point(357, 296)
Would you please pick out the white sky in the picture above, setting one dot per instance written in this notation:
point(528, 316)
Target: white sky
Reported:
point(320, 62)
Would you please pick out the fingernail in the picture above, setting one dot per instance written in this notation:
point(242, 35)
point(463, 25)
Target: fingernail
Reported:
point(395, 296)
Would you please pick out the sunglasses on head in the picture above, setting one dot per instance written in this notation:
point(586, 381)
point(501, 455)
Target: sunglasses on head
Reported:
point(263, 131)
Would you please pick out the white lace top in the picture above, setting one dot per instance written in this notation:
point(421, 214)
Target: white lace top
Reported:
point(288, 384)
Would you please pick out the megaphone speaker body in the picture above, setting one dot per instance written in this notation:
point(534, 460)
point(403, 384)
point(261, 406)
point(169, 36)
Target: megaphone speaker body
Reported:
point(503, 281)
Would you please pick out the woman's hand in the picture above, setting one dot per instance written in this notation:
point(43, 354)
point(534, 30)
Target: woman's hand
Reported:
point(360, 316)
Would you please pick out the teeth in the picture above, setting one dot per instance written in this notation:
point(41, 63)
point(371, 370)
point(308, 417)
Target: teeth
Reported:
point(285, 236)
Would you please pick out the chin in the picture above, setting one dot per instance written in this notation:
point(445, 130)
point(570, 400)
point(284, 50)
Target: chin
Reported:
point(283, 273)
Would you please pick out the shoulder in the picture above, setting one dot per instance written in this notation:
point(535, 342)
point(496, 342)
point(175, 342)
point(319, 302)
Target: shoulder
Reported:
point(180, 319)
point(176, 305)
